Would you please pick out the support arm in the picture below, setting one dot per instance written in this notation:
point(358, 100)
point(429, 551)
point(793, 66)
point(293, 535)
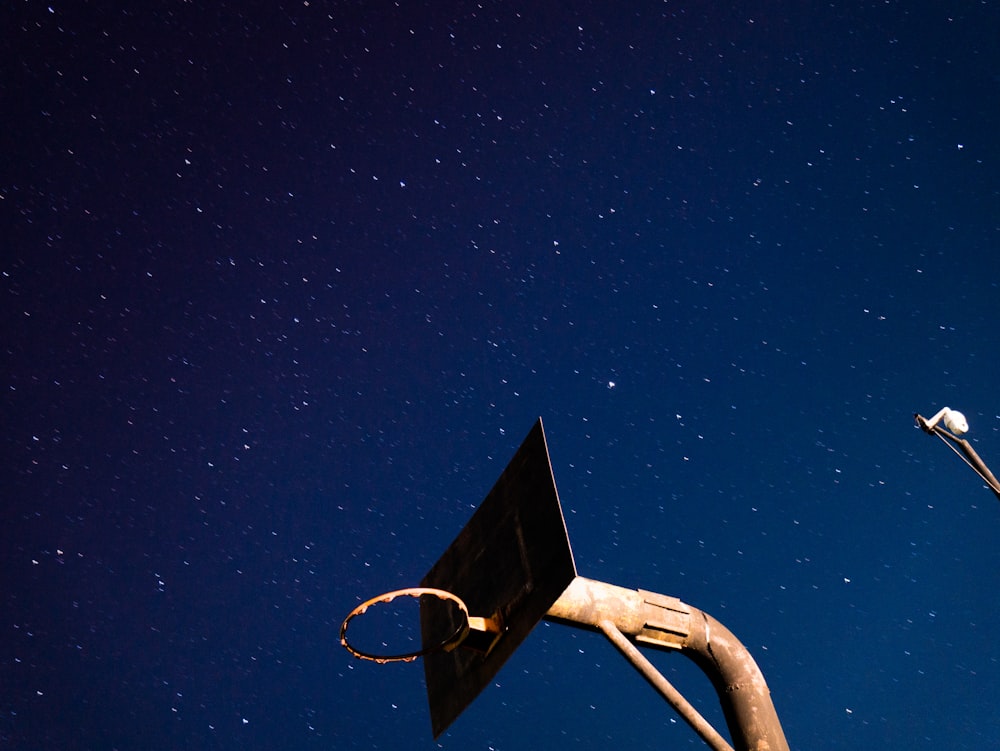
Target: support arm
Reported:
point(667, 623)
point(968, 454)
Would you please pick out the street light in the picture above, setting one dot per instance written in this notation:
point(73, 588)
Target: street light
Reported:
point(957, 425)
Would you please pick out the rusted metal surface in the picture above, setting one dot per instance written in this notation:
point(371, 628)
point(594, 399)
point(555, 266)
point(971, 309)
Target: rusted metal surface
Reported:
point(656, 679)
point(667, 623)
point(746, 700)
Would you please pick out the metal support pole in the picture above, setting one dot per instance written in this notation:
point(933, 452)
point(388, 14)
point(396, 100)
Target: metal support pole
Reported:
point(674, 697)
point(667, 623)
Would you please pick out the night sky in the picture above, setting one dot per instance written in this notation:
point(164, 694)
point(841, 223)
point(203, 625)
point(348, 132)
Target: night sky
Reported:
point(285, 285)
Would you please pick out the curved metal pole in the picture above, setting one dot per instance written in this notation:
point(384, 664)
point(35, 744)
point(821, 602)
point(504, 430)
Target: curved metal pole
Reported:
point(743, 693)
point(667, 623)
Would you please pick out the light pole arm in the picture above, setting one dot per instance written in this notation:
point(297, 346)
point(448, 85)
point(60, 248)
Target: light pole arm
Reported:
point(968, 453)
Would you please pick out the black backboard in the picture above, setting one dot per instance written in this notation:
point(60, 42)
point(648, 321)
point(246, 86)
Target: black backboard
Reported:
point(512, 560)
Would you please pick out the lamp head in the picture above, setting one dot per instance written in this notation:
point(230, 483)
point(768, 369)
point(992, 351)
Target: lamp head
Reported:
point(955, 421)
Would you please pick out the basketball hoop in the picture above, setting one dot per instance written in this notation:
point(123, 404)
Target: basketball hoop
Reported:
point(446, 645)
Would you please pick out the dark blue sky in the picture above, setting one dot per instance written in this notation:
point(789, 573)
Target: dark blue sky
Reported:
point(284, 285)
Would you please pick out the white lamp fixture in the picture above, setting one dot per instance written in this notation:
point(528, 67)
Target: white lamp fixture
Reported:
point(953, 420)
